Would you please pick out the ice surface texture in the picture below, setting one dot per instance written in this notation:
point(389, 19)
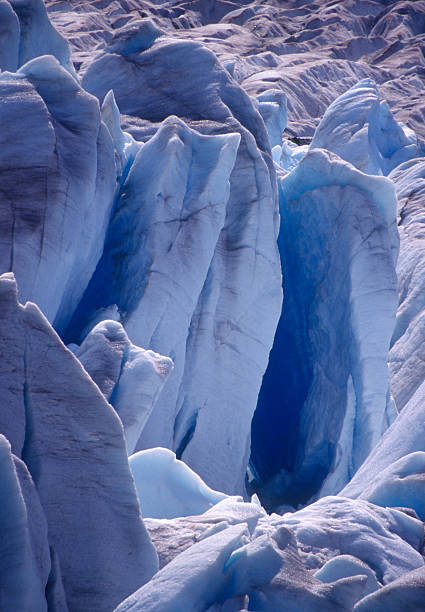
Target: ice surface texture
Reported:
point(182, 227)
point(139, 212)
point(58, 183)
point(23, 580)
point(327, 381)
point(192, 242)
point(26, 33)
point(130, 377)
point(311, 51)
point(360, 128)
point(72, 443)
point(406, 359)
point(325, 557)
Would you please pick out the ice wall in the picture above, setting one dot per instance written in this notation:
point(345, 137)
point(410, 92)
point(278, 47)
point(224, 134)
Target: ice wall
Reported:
point(325, 398)
point(360, 128)
point(406, 356)
point(191, 242)
point(72, 443)
point(26, 33)
point(58, 183)
point(164, 238)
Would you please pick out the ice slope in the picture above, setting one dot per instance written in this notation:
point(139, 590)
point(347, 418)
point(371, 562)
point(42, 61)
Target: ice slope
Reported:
point(72, 443)
point(125, 147)
point(9, 37)
point(192, 581)
point(407, 592)
point(26, 33)
point(227, 569)
point(37, 36)
point(325, 401)
point(58, 183)
point(360, 128)
point(270, 570)
point(387, 540)
point(343, 566)
point(272, 106)
point(400, 484)
point(393, 474)
point(45, 557)
point(173, 536)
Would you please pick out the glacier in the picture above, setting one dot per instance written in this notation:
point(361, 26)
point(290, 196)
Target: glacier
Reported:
point(211, 305)
point(405, 361)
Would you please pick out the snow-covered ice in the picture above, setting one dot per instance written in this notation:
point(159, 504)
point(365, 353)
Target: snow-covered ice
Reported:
point(192, 581)
point(22, 586)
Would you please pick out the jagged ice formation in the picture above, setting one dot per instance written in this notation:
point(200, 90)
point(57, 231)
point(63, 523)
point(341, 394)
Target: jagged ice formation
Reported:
point(168, 171)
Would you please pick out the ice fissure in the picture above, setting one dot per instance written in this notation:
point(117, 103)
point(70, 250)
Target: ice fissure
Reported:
point(339, 246)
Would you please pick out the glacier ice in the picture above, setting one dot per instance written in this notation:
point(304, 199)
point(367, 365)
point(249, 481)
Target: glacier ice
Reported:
point(172, 536)
point(270, 569)
point(168, 488)
point(145, 216)
point(72, 442)
point(288, 154)
point(22, 586)
point(406, 358)
point(360, 128)
point(343, 566)
point(9, 37)
point(225, 567)
point(205, 329)
point(318, 417)
point(27, 32)
point(199, 194)
point(125, 146)
point(274, 565)
point(58, 182)
point(192, 581)
point(406, 592)
point(272, 107)
point(131, 378)
point(393, 472)
point(47, 564)
point(401, 483)
point(388, 541)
